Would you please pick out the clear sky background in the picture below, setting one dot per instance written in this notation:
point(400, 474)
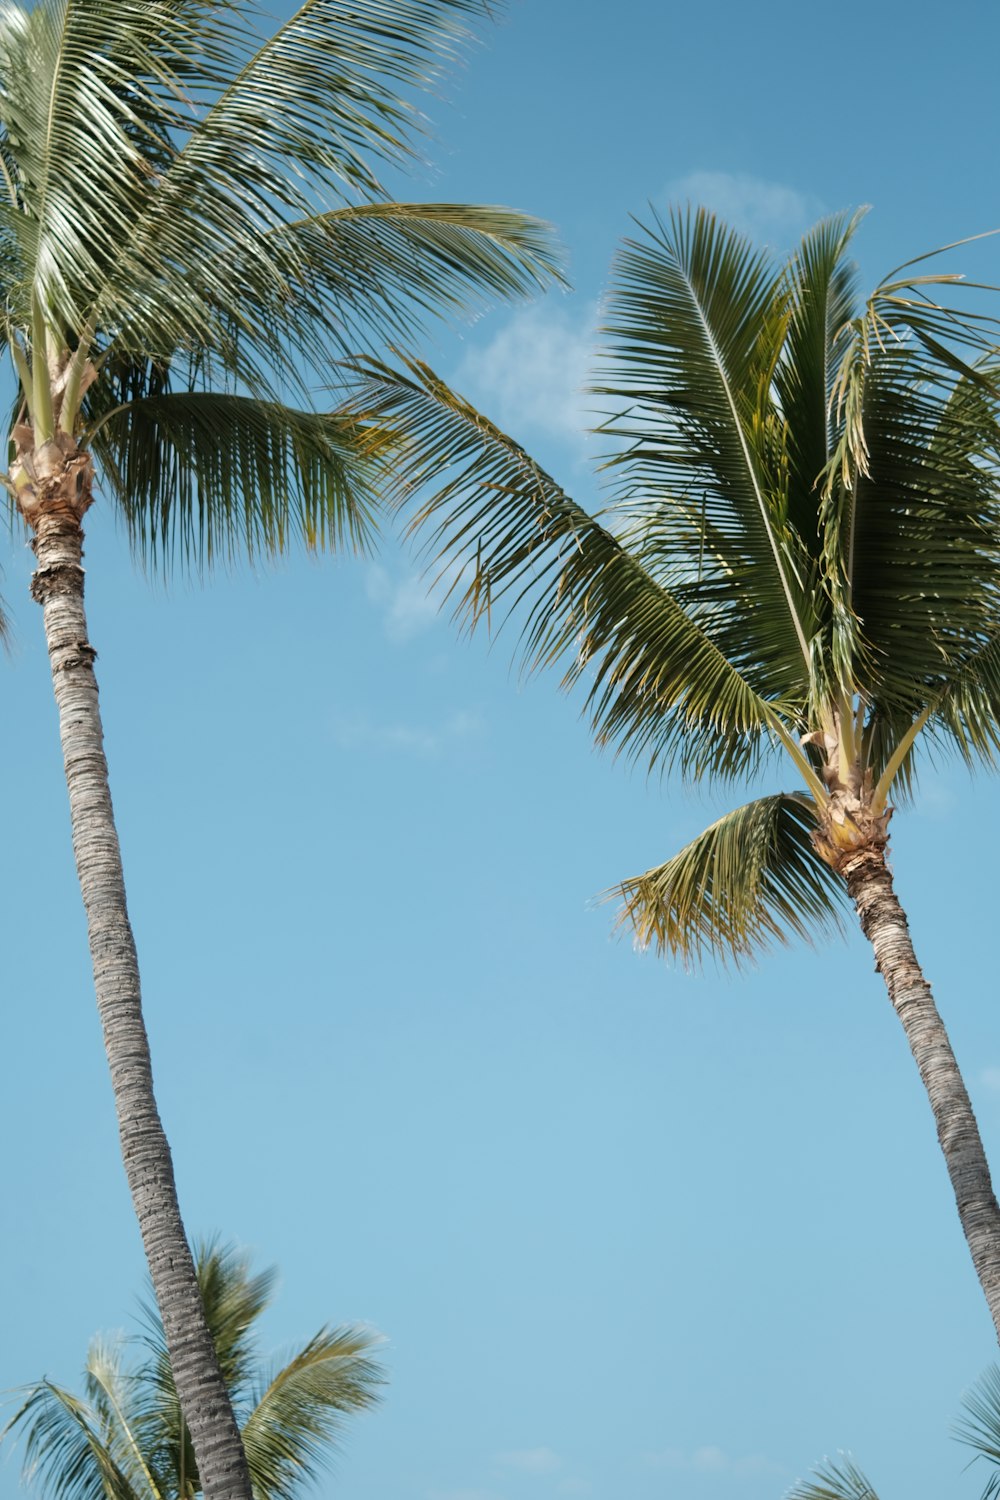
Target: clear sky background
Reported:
point(630, 1234)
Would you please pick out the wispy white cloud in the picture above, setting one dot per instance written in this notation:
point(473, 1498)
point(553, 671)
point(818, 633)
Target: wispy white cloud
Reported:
point(530, 1460)
point(765, 210)
point(358, 732)
point(409, 602)
point(530, 377)
point(712, 1460)
point(990, 1079)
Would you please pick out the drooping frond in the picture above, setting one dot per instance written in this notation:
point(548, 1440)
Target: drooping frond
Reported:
point(66, 1455)
point(209, 475)
point(128, 1430)
point(980, 1426)
point(695, 325)
point(377, 268)
point(836, 1479)
point(751, 878)
point(658, 685)
point(926, 571)
point(301, 125)
point(289, 1436)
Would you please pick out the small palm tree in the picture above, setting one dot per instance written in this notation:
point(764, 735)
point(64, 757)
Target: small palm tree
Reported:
point(192, 232)
point(126, 1437)
point(802, 565)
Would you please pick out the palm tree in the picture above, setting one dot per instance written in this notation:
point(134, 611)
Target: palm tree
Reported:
point(191, 232)
point(801, 564)
point(126, 1437)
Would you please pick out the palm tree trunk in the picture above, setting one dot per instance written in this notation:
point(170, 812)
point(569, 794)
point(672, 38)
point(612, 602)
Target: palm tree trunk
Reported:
point(58, 586)
point(884, 922)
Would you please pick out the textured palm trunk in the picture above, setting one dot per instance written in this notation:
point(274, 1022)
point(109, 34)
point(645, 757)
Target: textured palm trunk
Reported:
point(884, 922)
point(54, 503)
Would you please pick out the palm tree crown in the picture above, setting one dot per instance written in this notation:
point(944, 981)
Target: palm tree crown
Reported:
point(801, 563)
point(125, 1438)
point(192, 227)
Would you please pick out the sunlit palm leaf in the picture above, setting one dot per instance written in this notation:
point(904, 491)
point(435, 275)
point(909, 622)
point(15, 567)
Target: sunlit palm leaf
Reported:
point(210, 475)
point(65, 1454)
point(980, 1426)
point(301, 123)
point(926, 573)
point(289, 1435)
point(750, 878)
point(657, 683)
point(834, 1480)
point(695, 325)
point(379, 267)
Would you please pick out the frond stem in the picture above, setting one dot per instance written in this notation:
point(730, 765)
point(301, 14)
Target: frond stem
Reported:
point(799, 757)
point(881, 793)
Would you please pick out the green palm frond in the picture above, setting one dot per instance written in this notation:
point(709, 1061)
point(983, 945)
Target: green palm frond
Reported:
point(926, 571)
point(695, 325)
point(66, 1455)
point(209, 475)
point(750, 878)
point(295, 131)
point(90, 92)
point(288, 1436)
point(128, 1441)
point(377, 268)
point(128, 1434)
point(836, 1479)
point(979, 1427)
point(657, 684)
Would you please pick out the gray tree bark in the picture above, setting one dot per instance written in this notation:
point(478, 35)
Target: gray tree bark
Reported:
point(883, 920)
point(58, 586)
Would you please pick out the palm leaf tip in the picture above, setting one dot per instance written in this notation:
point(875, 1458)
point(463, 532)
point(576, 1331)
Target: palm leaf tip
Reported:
point(834, 1479)
point(750, 879)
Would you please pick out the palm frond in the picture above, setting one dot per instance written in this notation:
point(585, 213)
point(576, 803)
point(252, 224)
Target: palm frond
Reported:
point(288, 1435)
point(836, 1479)
point(375, 269)
point(657, 684)
point(90, 93)
point(926, 572)
point(822, 283)
point(979, 1428)
point(750, 878)
point(300, 124)
point(695, 325)
point(122, 1416)
point(203, 475)
point(65, 1454)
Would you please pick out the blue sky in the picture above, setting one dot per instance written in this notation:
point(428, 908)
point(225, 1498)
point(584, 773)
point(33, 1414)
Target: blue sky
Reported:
point(628, 1232)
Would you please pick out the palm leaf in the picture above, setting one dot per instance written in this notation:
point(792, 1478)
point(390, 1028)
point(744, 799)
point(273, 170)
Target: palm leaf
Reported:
point(89, 95)
point(303, 116)
point(695, 325)
point(65, 1454)
point(926, 568)
point(750, 878)
point(980, 1426)
point(834, 1480)
point(658, 683)
point(207, 474)
point(287, 1436)
point(375, 268)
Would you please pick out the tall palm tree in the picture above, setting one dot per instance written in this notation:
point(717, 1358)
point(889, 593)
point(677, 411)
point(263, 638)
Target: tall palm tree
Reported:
point(126, 1437)
point(801, 564)
point(192, 230)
